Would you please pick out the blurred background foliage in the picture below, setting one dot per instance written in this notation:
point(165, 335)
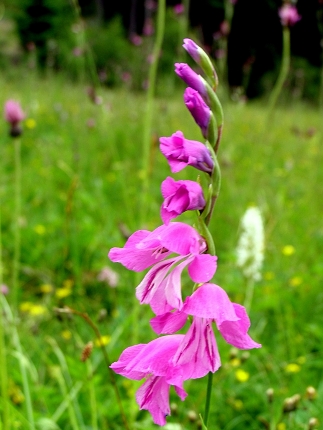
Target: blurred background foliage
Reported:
point(114, 39)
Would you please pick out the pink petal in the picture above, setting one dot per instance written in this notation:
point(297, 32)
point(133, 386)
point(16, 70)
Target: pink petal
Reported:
point(210, 301)
point(202, 268)
point(197, 354)
point(182, 239)
point(153, 396)
point(169, 322)
point(235, 332)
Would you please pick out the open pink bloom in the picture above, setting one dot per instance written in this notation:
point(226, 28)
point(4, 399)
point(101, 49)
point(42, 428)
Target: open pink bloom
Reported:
point(153, 360)
point(289, 15)
point(209, 303)
point(199, 109)
point(191, 78)
point(180, 196)
point(181, 152)
point(13, 112)
point(161, 287)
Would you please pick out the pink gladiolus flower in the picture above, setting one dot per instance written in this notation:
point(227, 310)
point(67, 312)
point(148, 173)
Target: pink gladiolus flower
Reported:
point(13, 112)
point(191, 78)
point(153, 360)
point(198, 108)
point(181, 152)
point(289, 15)
point(180, 196)
point(209, 303)
point(159, 288)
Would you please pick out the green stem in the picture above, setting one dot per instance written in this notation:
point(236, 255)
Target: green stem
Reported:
point(17, 212)
point(5, 421)
point(22, 365)
point(208, 398)
point(249, 294)
point(149, 108)
point(283, 72)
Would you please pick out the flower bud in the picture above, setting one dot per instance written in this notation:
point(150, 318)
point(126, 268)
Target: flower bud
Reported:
point(312, 423)
point(270, 395)
point(191, 78)
point(310, 393)
point(180, 196)
point(202, 59)
point(199, 110)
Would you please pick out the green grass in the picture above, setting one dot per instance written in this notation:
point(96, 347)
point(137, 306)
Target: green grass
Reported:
point(80, 183)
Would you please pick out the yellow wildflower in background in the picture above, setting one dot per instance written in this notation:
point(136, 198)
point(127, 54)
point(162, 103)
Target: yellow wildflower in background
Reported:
point(242, 375)
point(269, 276)
point(66, 334)
point(288, 250)
point(40, 229)
point(62, 292)
point(103, 341)
point(36, 310)
point(238, 404)
point(46, 288)
point(295, 281)
point(25, 306)
point(235, 362)
point(30, 123)
point(281, 426)
point(292, 368)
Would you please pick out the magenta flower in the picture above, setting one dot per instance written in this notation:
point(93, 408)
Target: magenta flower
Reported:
point(179, 9)
point(199, 109)
point(289, 15)
point(161, 287)
point(13, 112)
point(209, 303)
point(153, 360)
point(181, 152)
point(180, 196)
point(191, 78)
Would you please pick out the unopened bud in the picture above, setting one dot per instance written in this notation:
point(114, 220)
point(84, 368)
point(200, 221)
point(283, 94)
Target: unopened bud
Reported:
point(270, 395)
point(233, 353)
point(290, 404)
point(192, 416)
point(313, 423)
point(244, 356)
point(310, 393)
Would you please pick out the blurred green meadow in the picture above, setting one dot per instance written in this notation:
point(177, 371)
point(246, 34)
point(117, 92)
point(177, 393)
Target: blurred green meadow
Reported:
point(82, 183)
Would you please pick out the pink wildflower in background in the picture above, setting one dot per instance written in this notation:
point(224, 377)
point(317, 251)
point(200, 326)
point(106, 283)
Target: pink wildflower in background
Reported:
point(4, 289)
point(13, 112)
point(289, 15)
point(14, 115)
point(179, 9)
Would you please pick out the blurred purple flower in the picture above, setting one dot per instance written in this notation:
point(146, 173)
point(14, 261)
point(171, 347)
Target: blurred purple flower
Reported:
point(4, 289)
point(135, 39)
point(289, 15)
point(181, 152)
point(180, 196)
point(13, 112)
point(179, 9)
point(200, 111)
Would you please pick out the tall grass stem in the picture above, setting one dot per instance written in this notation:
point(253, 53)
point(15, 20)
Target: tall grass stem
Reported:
point(17, 216)
point(22, 365)
point(5, 419)
point(282, 74)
